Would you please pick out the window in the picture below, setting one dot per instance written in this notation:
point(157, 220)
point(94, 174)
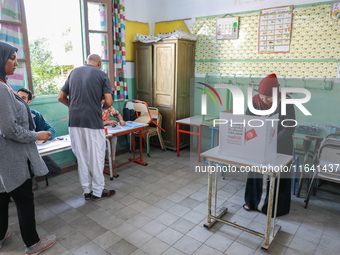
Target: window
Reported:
point(98, 33)
point(54, 35)
point(57, 39)
point(13, 30)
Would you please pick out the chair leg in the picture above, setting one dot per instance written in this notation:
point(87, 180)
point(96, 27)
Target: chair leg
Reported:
point(161, 140)
point(148, 145)
point(46, 179)
point(296, 165)
point(300, 184)
point(310, 190)
point(224, 174)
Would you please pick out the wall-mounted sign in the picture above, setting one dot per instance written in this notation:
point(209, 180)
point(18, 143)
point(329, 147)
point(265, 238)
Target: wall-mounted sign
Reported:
point(275, 30)
point(227, 28)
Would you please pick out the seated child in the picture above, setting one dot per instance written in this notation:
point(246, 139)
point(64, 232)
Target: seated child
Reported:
point(112, 112)
point(106, 114)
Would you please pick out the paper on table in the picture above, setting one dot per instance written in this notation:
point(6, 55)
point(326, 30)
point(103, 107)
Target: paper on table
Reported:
point(111, 130)
point(49, 144)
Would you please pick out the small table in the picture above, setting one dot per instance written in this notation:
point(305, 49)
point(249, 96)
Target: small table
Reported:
point(129, 128)
point(195, 121)
point(213, 156)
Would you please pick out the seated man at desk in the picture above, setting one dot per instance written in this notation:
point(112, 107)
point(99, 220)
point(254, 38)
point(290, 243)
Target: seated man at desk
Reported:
point(106, 114)
point(41, 125)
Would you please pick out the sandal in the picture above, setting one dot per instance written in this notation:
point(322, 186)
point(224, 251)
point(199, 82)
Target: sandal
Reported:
point(244, 207)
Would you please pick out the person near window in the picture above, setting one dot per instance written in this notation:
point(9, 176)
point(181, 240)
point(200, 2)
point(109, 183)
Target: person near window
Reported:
point(19, 160)
point(82, 93)
point(257, 191)
point(41, 125)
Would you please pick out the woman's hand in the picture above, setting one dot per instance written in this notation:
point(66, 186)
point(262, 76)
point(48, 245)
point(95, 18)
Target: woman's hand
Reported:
point(44, 136)
point(122, 123)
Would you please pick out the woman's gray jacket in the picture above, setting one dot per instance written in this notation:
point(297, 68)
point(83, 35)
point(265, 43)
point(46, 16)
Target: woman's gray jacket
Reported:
point(17, 142)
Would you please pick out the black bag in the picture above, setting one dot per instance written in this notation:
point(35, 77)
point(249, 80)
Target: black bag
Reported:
point(53, 168)
point(129, 114)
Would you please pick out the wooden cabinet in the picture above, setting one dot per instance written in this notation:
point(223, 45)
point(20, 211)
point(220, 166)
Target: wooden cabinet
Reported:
point(163, 72)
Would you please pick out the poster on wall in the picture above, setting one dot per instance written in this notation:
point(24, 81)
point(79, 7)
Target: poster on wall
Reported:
point(227, 28)
point(335, 11)
point(275, 30)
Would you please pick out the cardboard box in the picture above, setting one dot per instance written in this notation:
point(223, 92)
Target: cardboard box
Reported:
point(248, 137)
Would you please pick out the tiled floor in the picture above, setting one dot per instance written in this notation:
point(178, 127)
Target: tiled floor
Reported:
point(161, 208)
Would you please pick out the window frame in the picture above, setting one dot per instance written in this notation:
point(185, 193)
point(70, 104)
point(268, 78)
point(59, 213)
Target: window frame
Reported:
point(109, 32)
point(23, 26)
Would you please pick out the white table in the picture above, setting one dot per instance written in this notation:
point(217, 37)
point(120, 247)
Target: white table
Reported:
point(213, 156)
point(62, 143)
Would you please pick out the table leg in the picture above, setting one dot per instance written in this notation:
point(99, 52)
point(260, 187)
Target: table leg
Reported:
point(111, 168)
point(140, 159)
point(212, 138)
point(133, 145)
point(269, 209)
point(177, 139)
point(268, 239)
point(276, 199)
point(307, 145)
point(209, 192)
point(141, 145)
point(199, 144)
point(218, 214)
point(215, 190)
point(108, 144)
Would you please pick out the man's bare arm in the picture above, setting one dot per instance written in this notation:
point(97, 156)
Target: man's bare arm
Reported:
point(108, 101)
point(62, 98)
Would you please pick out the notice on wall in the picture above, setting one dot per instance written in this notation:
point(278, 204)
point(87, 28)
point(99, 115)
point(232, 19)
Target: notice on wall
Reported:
point(275, 30)
point(227, 28)
point(236, 134)
point(335, 11)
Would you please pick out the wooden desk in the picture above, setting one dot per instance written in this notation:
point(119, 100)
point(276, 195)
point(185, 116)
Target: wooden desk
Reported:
point(213, 156)
point(129, 128)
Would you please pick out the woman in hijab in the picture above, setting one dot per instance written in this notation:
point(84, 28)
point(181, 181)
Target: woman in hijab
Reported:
point(256, 194)
point(19, 158)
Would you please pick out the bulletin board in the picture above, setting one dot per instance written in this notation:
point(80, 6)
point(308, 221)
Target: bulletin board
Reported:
point(314, 47)
point(275, 27)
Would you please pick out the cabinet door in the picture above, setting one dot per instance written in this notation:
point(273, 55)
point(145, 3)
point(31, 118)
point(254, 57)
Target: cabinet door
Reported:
point(143, 73)
point(164, 86)
point(185, 76)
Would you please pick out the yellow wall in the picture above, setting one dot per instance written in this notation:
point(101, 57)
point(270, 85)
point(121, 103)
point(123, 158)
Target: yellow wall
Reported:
point(169, 26)
point(131, 28)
